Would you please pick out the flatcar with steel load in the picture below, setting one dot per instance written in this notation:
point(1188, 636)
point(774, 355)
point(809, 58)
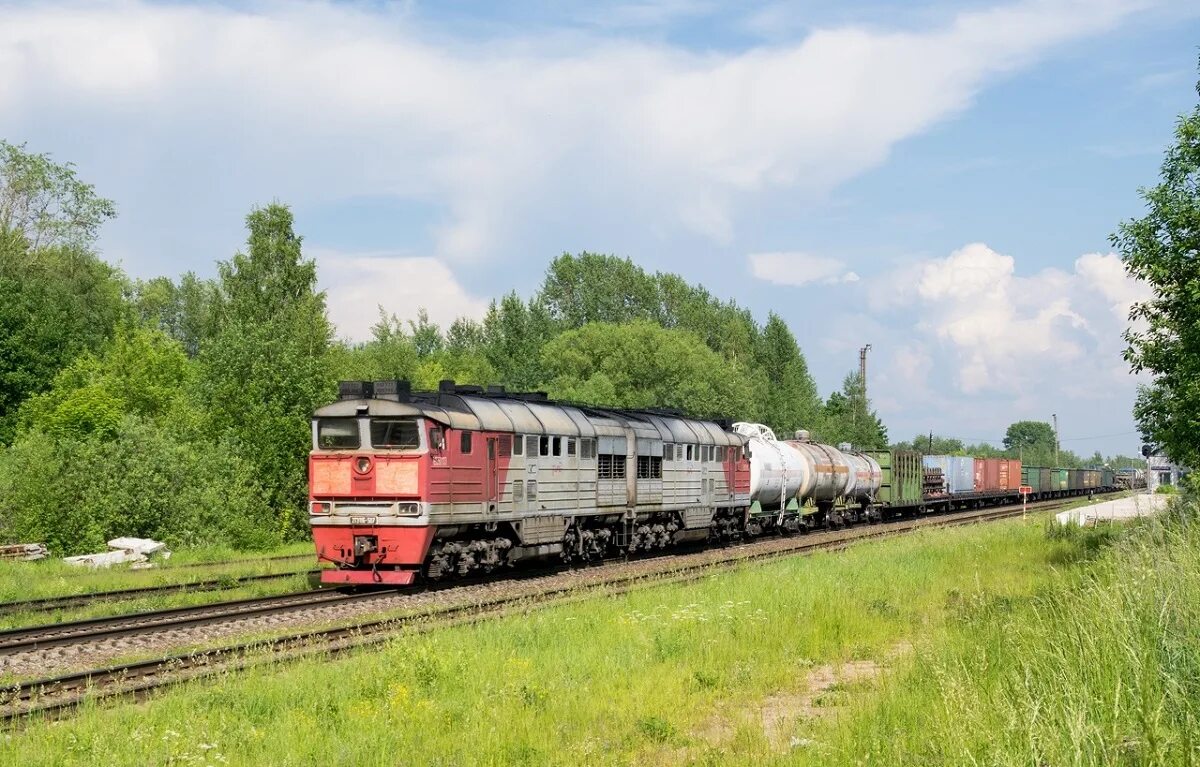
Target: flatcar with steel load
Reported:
point(434, 485)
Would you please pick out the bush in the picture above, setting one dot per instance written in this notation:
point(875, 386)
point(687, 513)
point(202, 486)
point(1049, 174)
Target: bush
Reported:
point(74, 495)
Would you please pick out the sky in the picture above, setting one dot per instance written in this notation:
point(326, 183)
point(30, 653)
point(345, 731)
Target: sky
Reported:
point(936, 179)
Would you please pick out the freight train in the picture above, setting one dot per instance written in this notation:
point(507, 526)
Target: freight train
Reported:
point(407, 485)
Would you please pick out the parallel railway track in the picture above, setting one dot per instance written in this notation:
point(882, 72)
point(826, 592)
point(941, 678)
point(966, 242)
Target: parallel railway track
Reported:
point(58, 695)
point(70, 601)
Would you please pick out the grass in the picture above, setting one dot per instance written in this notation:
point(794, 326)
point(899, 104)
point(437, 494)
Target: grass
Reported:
point(1095, 670)
point(53, 578)
point(674, 674)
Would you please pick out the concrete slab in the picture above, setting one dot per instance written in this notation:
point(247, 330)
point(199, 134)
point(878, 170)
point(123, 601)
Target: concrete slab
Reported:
point(1129, 507)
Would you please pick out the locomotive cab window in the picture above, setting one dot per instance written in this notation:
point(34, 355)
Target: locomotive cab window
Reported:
point(464, 444)
point(399, 433)
point(337, 434)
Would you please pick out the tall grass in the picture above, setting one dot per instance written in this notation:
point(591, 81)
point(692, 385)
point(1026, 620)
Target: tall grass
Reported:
point(1095, 670)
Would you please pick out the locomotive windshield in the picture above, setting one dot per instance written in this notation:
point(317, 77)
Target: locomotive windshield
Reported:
point(337, 433)
point(395, 433)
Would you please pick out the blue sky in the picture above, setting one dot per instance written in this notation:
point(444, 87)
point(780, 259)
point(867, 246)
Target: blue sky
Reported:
point(936, 179)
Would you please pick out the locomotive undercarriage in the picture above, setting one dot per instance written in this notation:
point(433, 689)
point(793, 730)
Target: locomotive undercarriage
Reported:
point(591, 539)
point(476, 551)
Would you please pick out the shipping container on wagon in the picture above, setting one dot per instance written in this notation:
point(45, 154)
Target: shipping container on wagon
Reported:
point(902, 477)
point(959, 471)
point(997, 475)
point(1060, 480)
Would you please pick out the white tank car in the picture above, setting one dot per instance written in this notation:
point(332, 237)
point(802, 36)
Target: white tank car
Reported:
point(777, 471)
point(868, 476)
point(805, 470)
point(832, 477)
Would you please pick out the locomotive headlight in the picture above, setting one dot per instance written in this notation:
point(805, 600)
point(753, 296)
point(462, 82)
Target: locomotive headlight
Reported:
point(320, 507)
point(362, 465)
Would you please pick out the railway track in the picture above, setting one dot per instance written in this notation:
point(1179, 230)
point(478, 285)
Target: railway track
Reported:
point(58, 695)
point(52, 604)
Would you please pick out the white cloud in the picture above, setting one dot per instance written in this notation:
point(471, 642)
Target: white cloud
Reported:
point(799, 269)
point(1003, 332)
point(314, 102)
point(358, 284)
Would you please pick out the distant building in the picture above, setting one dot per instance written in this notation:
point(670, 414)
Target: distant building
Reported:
point(1160, 471)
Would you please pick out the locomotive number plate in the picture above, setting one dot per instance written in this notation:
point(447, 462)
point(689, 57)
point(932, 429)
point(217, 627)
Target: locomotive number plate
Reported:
point(362, 520)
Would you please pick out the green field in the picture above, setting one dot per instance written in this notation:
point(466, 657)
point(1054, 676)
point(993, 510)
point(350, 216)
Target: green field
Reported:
point(974, 644)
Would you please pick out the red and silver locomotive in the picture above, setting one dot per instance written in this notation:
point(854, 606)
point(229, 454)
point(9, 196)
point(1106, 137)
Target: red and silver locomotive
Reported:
point(465, 480)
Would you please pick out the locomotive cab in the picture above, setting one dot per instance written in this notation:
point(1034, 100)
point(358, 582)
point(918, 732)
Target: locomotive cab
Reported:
point(366, 508)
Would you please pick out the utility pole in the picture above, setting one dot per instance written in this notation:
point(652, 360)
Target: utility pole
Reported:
point(862, 371)
point(1055, 417)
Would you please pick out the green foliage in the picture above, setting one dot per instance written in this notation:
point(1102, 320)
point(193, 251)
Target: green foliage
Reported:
point(1160, 248)
point(1033, 435)
point(933, 444)
point(54, 304)
point(847, 417)
point(75, 494)
point(183, 311)
point(139, 372)
point(513, 336)
point(264, 371)
point(641, 364)
point(44, 204)
point(789, 397)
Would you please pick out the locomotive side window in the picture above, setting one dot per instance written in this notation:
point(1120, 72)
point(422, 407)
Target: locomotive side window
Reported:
point(544, 446)
point(531, 446)
point(337, 433)
point(689, 453)
point(557, 445)
point(587, 448)
point(464, 442)
point(518, 445)
point(570, 446)
point(395, 433)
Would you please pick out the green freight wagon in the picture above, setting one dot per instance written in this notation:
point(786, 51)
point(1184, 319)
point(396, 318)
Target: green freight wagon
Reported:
point(1037, 477)
point(903, 475)
point(1060, 480)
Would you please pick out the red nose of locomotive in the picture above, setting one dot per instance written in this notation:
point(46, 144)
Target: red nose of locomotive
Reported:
point(368, 513)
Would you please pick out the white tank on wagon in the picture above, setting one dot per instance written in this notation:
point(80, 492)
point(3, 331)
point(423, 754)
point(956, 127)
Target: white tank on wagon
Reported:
point(777, 471)
point(805, 470)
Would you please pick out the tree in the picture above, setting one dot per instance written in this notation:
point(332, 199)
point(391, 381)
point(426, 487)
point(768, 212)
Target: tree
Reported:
point(641, 364)
point(56, 298)
point(140, 372)
point(183, 311)
point(265, 370)
point(514, 333)
point(847, 417)
point(935, 445)
point(1029, 435)
point(45, 204)
point(789, 400)
point(592, 287)
point(1161, 249)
